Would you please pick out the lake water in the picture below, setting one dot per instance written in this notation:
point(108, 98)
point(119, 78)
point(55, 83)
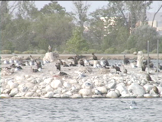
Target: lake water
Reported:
point(80, 110)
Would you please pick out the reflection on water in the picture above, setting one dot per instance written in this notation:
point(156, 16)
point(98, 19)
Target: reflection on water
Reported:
point(80, 110)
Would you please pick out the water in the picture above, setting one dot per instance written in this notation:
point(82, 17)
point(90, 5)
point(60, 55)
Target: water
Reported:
point(80, 110)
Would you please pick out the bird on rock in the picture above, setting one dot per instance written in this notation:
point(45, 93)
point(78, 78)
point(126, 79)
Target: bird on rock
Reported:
point(94, 57)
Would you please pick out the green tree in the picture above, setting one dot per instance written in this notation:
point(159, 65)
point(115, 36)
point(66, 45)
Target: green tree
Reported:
point(76, 43)
point(139, 37)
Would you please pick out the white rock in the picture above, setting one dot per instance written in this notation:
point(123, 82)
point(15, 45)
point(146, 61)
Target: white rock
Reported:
point(73, 81)
point(136, 89)
point(49, 88)
point(98, 82)
point(4, 96)
point(56, 83)
point(57, 95)
point(76, 96)
point(49, 95)
point(13, 85)
point(21, 94)
point(29, 94)
point(13, 92)
point(111, 84)
point(112, 94)
point(67, 85)
point(102, 89)
point(48, 80)
point(148, 87)
point(85, 92)
point(122, 89)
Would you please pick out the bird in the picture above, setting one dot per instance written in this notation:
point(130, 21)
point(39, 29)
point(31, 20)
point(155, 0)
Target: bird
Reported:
point(39, 65)
point(94, 57)
point(97, 92)
point(126, 60)
point(133, 105)
point(71, 64)
point(34, 70)
point(81, 62)
point(148, 77)
point(65, 64)
point(143, 67)
point(60, 61)
point(58, 66)
point(49, 49)
point(116, 68)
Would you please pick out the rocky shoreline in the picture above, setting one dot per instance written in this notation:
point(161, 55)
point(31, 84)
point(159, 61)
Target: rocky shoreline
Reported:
point(81, 82)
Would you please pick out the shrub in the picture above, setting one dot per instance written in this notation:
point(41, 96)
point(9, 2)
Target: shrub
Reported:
point(110, 50)
point(28, 52)
point(132, 50)
point(91, 51)
point(6, 52)
point(42, 51)
point(17, 52)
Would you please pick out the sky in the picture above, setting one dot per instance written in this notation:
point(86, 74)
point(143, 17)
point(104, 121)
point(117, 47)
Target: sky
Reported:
point(94, 5)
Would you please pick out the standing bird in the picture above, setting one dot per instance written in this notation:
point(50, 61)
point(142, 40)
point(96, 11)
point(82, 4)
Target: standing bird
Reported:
point(148, 77)
point(60, 61)
point(81, 62)
point(49, 49)
point(116, 68)
point(94, 57)
point(143, 67)
point(126, 60)
point(58, 66)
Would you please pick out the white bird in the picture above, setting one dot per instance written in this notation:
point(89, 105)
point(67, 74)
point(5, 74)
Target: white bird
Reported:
point(133, 105)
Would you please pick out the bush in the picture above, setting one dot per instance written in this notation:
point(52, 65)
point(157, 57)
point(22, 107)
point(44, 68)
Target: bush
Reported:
point(42, 51)
point(125, 52)
point(132, 50)
point(6, 52)
point(154, 51)
point(110, 51)
point(17, 52)
point(28, 52)
point(91, 51)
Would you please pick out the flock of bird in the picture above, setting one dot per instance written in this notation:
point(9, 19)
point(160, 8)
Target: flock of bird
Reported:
point(17, 65)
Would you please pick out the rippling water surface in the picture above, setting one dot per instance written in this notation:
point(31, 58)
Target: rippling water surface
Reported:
point(80, 110)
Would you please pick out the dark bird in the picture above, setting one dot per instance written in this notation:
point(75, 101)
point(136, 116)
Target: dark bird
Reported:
point(143, 67)
point(34, 70)
point(160, 66)
point(125, 71)
point(65, 64)
point(94, 57)
point(155, 89)
point(116, 68)
point(58, 66)
point(62, 74)
point(148, 77)
point(75, 60)
point(13, 66)
point(19, 67)
point(126, 60)
point(39, 65)
point(60, 61)
point(71, 64)
point(81, 62)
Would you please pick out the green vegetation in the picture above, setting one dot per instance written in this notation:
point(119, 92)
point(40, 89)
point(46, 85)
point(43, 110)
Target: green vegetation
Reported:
point(27, 30)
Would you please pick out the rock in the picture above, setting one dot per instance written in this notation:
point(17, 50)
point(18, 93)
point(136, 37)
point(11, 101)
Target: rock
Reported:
point(67, 85)
point(85, 92)
point(49, 88)
point(76, 96)
point(13, 92)
point(136, 89)
point(148, 87)
point(49, 95)
point(112, 94)
point(102, 89)
point(111, 84)
point(56, 83)
point(4, 96)
point(29, 94)
point(122, 89)
point(50, 56)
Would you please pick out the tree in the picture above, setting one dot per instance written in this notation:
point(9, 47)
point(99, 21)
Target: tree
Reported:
point(80, 14)
point(76, 43)
point(138, 39)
